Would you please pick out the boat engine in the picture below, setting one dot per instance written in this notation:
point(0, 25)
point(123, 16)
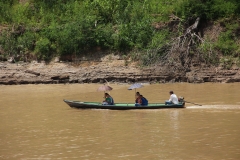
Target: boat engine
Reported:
point(181, 99)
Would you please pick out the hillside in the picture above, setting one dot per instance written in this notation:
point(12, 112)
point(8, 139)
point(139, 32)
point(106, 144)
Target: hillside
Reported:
point(166, 36)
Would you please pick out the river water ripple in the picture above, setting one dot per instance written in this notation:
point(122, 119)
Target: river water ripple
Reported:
point(36, 123)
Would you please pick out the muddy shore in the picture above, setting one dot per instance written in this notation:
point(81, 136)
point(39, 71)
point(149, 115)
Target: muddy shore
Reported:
point(112, 70)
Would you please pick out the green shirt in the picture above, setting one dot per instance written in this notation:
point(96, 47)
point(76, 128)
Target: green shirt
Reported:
point(109, 100)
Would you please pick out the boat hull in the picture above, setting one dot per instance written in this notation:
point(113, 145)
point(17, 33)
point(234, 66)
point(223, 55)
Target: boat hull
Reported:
point(119, 106)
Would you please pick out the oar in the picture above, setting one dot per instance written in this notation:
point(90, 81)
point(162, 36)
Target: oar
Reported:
point(193, 103)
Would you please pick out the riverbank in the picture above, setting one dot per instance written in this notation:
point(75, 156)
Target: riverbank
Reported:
point(54, 73)
point(113, 70)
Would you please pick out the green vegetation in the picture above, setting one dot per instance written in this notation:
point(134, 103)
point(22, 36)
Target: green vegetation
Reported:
point(42, 29)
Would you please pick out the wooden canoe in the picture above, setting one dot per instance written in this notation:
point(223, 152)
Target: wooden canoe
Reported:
point(120, 106)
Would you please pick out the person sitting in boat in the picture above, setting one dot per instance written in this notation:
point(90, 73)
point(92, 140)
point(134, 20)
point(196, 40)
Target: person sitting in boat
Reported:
point(173, 99)
point(137, 97)
point(144, 101)
point(108, 100)
point(141, 101)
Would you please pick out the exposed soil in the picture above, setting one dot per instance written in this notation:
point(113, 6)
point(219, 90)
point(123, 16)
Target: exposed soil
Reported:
point(97, 67)
point(110, 67)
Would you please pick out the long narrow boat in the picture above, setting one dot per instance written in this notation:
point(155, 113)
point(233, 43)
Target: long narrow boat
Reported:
point(120, 106)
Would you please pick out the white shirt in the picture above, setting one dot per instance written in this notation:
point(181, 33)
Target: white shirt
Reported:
point(173, 98)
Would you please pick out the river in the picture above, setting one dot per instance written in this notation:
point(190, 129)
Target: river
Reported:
point(36, 123)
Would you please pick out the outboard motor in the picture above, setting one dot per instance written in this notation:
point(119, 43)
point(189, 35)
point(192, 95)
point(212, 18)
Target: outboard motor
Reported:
point(181, 99)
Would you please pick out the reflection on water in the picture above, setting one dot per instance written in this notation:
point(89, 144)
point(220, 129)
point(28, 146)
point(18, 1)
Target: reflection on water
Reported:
point(36, 124)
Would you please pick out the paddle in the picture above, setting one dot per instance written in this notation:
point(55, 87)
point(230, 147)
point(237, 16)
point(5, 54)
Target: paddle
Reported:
point(193, 103)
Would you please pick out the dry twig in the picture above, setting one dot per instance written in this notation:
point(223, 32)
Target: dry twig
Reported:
point(180, 51)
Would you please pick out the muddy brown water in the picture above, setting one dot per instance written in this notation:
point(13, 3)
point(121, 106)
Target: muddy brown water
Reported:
point(36, 123)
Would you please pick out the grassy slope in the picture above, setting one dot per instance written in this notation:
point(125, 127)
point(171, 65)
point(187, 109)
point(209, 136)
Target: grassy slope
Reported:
point(41, 30)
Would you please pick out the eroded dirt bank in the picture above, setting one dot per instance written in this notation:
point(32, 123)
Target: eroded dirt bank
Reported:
point(112, 70)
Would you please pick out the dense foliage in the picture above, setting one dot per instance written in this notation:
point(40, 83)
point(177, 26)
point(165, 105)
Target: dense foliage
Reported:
point(42, 29)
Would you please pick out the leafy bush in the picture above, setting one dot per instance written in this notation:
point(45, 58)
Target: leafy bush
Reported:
point(5, 10)
point(9, 44)
point(227, 41)
point(207, 10)
point(159, 39)
point(43, 48)
point(60, 27)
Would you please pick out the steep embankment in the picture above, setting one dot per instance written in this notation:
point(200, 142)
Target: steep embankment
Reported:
point(183, 40)
point(113, 70)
